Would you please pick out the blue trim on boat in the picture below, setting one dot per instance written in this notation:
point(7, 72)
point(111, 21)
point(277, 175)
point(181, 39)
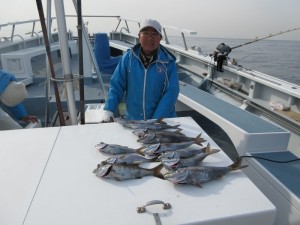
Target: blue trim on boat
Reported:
point(286, 173)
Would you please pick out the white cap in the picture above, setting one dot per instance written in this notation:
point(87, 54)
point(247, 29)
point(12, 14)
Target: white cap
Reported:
point(14, 94)
point(151, 23)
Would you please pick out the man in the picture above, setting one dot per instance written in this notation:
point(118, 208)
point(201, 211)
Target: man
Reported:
point(11, 95)
point(147, 75)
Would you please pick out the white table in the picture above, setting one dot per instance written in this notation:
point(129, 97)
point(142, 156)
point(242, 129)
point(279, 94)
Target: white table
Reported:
point(69, 192)
point(23, 157)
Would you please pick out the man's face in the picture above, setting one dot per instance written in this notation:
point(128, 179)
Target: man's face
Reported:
point(149, 39)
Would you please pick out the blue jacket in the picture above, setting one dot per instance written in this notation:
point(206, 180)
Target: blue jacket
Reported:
point(149, 93)
point(5, 78)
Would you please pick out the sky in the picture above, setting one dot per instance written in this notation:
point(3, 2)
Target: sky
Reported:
point(247, 19)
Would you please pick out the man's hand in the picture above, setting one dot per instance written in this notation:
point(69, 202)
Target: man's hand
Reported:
point(105, 116)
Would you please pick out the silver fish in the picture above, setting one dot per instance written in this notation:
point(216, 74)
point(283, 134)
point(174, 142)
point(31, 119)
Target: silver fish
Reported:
point(125, 172)
point(123, 120)
point(131, 158)
point(176, 163)
point(181, 153)
point(165, 147)
point(141, 132)
point(113, 149)
point(198, 175)
point(147, 126)
point(168, 137)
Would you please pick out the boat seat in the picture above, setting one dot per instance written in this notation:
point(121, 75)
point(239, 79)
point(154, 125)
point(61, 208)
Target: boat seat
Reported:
point(19, 62)
point(248, 132)
point(279, 182)
point(105, 61)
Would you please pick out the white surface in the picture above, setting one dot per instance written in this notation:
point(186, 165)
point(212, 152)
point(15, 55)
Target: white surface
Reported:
point(23, 156)
point(69, 192)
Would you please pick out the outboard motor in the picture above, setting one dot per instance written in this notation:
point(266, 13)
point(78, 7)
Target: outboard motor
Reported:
point(220, 55)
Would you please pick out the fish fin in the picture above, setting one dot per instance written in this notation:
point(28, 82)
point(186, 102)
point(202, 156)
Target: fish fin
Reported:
point(198, 140)
point(237, 165)
point(157, 171)
point(178, 131)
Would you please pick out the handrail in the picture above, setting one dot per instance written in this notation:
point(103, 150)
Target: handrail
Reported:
point(182, 31)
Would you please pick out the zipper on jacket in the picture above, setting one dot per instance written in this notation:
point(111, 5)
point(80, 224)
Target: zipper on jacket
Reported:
point(144, 94)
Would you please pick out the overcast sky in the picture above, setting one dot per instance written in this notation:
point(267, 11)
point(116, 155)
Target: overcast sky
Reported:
point(210, 18)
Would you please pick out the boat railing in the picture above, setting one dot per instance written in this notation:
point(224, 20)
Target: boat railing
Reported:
point(12, 29)
point(182, 32)
point(164, 28)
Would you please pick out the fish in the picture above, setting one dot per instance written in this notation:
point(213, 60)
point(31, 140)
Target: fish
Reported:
point(168, 137)
point(146, 125)
point(131, 158)
point(176, 163)
point(182, 153)
point(160, 148)
point(126, 172)
point(122, 120)
point(197, 175)
point(114, 149)
point(141, 132)
point(154, 126)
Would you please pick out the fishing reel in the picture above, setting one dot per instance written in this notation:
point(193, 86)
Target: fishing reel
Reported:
point(221, 54)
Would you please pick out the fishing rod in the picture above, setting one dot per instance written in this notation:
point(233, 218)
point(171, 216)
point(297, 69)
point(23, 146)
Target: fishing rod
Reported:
point(222, 51)
point(269, 36)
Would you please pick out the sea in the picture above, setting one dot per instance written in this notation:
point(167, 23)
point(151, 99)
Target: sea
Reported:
point(278, 58)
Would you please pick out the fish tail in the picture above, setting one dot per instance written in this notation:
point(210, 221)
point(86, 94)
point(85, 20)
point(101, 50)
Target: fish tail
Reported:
point(176, 126)
point(198, 140)
point(160, 120)
point(237, 165)
point(210, 151)
point(157, 171)
point(140, 151)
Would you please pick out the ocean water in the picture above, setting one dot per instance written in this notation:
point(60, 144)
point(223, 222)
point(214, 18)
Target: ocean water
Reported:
point(278, 58)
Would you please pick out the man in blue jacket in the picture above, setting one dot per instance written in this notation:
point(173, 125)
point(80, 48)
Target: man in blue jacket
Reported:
point(147, 75)
point(11, 95)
